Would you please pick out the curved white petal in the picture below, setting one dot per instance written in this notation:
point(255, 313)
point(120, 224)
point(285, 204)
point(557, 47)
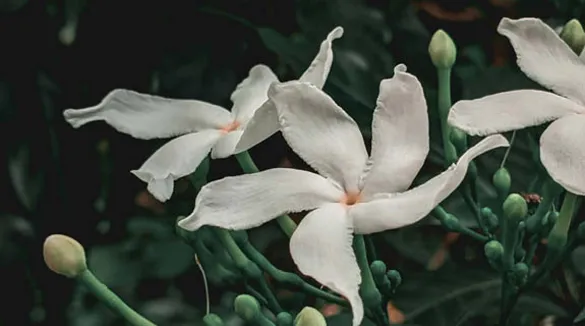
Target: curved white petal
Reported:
point(250, 200)
point(226, 146)
point(562, 152)
point(177, 158)
point(321, 247)
point(400, 135)
point(544, 57)
point(264, 123)
point(252, 92)
point(318, 71)
point(324, 135)
point(147, 116)
point(398, 210)
point(510, 111)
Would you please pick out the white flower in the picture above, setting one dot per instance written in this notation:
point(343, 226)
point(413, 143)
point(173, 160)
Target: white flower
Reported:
point(353, 194)
point(545, 58)
point(202, 127)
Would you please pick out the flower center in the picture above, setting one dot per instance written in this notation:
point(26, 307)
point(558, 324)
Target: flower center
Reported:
point(350, 198)
point(230, 127)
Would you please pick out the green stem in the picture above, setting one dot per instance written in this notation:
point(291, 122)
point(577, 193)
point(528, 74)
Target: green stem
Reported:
point(250, 269)
point(368, 291)
point(287, 225)
point(289, 278)
point(110, 299)
point(444, 104)
point(549, 192)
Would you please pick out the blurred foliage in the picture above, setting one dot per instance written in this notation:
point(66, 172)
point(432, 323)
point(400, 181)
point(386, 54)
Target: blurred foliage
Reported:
point(58, 54)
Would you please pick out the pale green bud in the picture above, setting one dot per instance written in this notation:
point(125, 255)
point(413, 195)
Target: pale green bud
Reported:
point(442, 50)
point(64, 255)
point(515, 207)
point(574, 35)
point(310, 316)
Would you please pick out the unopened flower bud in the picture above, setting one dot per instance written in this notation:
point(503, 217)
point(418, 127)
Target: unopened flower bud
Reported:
point(519, 274)
point(574, 35)
point(310, 316)
point(212, 320)
point(442, 50)
point(494, 251)
point(246, 307)
point(64, 255)
point(489, 218)
point(394, 277)
point(502, 182)
point(284, 319)
point(378, 269)
point(515, 208)
point(458, 138)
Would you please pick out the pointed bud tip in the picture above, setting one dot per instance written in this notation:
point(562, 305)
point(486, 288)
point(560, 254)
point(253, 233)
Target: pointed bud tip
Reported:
point(310, 316)
point(574, 35)
point(64, 255)
point(442, 50)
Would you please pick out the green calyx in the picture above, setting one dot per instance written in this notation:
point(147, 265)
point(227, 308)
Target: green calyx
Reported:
point(442, 50)
point(574, 35)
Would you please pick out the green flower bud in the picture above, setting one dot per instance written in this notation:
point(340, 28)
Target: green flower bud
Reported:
point(284, 319)
point(515, 208)
point(494, 251)
point(450, 222)
point(459, 139)
point(394, 277)
point(64, 255)
point(212, 320)
point(310, 316)
point(490, 219)
point(502, 182)
point(378, 269)
point(551, 219)
point(246, 307)
point(519, 274)
point(574, 35)
point(519, 254)
point(442, 50)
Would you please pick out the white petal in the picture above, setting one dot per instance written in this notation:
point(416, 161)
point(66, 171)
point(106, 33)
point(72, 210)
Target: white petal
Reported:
point(321, 247)
point(148, 116)
point(545, 57)
point(562, 152)
point(177, 158)
point(252, 92)
point(400, 135)
point(324, 135)
point(264, 123)
point(319, 69)
point(409, 207)
point(250, 200)
point(510, 111)
point(226, 146)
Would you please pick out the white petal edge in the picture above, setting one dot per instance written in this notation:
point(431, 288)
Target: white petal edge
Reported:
point(320, 67)
point(226, 146)
point(148, 116)
point(545, 57)
point(263, 124)
point(175, 159)
point(321, 247)
point(562, 152)
point(320, 132)
point(511, 110)
point(251, 93)
point(398, 210)
point(250, 200)
point(400, 135)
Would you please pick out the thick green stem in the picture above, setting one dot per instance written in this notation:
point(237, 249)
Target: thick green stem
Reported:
point(249, 268)
point(444, 104)
point(368, 291)
point(110, 299)
point(287, 225)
